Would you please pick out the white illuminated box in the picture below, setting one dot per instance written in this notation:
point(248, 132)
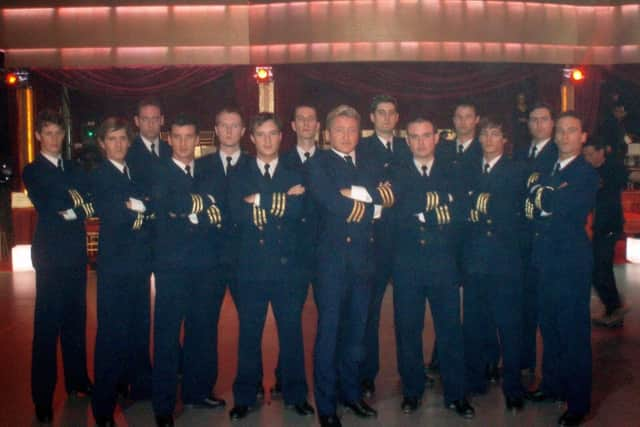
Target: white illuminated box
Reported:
point(21, 258)
point(633, 250)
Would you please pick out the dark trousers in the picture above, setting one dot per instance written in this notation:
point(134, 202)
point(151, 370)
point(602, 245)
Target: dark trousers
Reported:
point(529, 317)
point(122, 340)
point(492, 301)
point(604, 280)
point(342, 297)
point(60, 312)
point(565, 325)
point(409, 294)
point(252, 300)
point(379, 281)
point(195, 297)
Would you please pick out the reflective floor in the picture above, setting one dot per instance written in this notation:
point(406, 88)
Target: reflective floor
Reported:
point(616, 387)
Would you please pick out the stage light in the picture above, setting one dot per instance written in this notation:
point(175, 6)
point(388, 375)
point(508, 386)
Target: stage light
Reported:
point(573, 74)
point(633, 250)
point(263, 74)
point(577, 75)
point(11, 79)
point(21, 258)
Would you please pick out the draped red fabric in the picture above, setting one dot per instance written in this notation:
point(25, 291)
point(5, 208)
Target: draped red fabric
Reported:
point(134, 81)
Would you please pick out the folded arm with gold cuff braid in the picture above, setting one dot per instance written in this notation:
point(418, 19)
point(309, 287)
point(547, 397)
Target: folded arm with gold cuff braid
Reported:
point(204, 206)
point(83, 208)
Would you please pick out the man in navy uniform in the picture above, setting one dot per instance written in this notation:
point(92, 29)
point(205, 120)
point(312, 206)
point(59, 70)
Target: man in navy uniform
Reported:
point(350, 199)
point(607, 227)
point(383, 150)
point(187, 206)
point(466, 146)
point(425, 267)
point(559, 203)
point(539, 156)
point(146, 153)
point(492, 265)
point(123, 267)
point(59, 255)
point(266, 200)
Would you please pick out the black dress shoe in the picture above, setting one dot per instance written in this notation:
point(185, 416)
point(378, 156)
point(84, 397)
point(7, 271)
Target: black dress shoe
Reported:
point(540, 396)
point(105, 421)
point(238, 412)
point(83, 391)
point(409, 404)
point(122, 390)
point(493, 373)
point(368, 388)
point(44, 414)
point(276, 390)
point(514, 403)
point(164, 420)
point(329, 421)
point(569, 419)
point(303, 408)
point(361, 409)
point(463, 408)
point(211, 402)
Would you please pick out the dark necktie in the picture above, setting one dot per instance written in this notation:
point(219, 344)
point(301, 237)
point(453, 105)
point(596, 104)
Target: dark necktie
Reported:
point(389, 150)
point(486, 169)
point(187, 170)
point(267, 175)
point(125, 171)
point(534, 150)
point(349, 161)
point(556, 169)
point(425, 171)
point(460, 149)
point(307, 155)
point(153, 149)
point(229, 165)
point(60, 166)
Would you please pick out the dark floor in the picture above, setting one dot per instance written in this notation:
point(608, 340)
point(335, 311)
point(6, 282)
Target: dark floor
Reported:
point(616, 387)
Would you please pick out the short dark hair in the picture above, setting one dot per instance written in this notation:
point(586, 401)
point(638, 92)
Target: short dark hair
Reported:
point(420, 119)
point(149, 101)
point(229, 109)
point(466, 102)
point(303, 105)
point(261, 118)
point(185, 119)
point(541, 104)
point(49, 117)
point(112, 124)
point(492, 122)
point(595, 142)
point(569, 113)
point(379, 99)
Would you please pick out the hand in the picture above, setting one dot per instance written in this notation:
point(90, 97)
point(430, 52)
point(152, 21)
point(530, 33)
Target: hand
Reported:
point(250, 198)
point(346, 192)
point(128, 204)
point(563, 185)
point(296, 190)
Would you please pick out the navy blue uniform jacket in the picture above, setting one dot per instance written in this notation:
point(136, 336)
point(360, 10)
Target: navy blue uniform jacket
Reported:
point(142, 163)
point(267, 233)
point(58, 243)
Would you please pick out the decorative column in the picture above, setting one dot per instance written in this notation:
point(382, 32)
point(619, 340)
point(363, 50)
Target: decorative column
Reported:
point(25, 126)
point(266, 89)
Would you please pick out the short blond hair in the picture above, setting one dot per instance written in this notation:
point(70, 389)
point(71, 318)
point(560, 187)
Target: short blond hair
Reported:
point(342, 111)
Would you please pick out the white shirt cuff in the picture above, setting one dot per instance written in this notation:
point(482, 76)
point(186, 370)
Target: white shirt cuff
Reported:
point(69, 215)
point(545, 213)
point(213, 199)
point(360, 194)
point(377, 211)
point(256, 200)
point(193, 218)
point(137, 205)
point(421, 217)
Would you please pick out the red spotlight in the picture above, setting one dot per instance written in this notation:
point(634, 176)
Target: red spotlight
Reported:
point(263, 74)
point(11, 79)
point(577, 75)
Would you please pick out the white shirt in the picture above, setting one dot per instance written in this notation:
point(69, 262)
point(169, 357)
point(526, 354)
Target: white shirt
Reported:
point(343, 155)
point(52, 159)
point(301, 153)
point(491, 163)
point(419, 165)
point(384, 143)
point(464, 144)
point(272, 169)
point(183, 166)
point(234, 159)
point(565, 162)
point(148, 143)
point(539, 147)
